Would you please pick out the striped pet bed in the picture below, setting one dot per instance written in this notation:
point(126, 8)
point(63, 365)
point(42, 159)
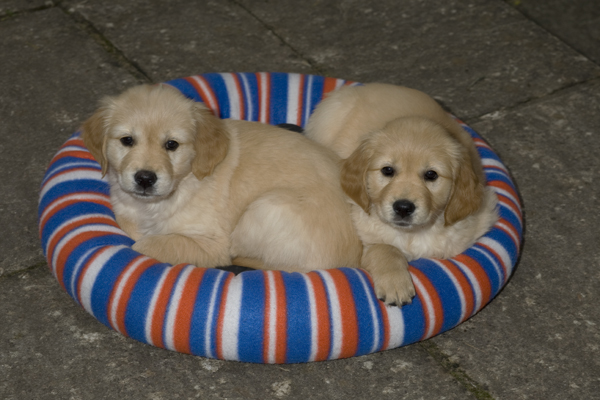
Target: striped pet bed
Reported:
point(257, 316)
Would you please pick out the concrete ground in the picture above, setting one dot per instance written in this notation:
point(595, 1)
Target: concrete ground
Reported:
point(524, 73)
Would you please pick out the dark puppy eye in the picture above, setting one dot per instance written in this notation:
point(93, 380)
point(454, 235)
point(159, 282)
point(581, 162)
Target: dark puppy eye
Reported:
point(430, 175)
point(171, 145)
point(127, 141)
point(388, 171)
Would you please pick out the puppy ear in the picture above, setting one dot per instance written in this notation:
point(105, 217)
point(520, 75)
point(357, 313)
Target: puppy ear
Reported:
point(94, 136)
point(212, 142)
point(354, 175)
point(467, 193)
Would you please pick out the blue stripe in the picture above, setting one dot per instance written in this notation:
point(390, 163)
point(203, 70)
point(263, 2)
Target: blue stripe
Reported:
point(445, 288)
point(70, 187)
point(279, 100)
point(251, 96)
point(186, 88)
point(106, 281)
point(298, 341)
point(200, 321)
point(252, 317)
point(414, 321)
point(139, 302)
point(364, 317)
point(217, 83)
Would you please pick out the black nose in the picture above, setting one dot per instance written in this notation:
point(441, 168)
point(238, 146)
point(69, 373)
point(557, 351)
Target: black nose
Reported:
point(145, 178)
point(404, 208)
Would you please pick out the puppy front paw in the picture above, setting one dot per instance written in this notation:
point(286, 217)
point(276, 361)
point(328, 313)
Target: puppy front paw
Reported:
point(394, 287)
point(389, 269)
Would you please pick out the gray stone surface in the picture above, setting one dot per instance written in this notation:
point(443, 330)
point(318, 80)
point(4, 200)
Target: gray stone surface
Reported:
point(533, 92)
point(577, 22)
point(476, 56)
point(171, 39)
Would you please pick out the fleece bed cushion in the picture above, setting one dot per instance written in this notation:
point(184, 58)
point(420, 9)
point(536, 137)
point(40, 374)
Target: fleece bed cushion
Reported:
point(257, 316)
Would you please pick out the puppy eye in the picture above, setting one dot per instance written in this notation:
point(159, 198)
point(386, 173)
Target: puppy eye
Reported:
point(127, 141)
point(171, 145)
point(430, 175)
point(388, 171)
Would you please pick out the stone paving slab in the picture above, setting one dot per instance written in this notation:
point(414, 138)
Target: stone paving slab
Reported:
point(540, 339)
point(172, 39)
point(577, 22)
point(52, 76)
point(52, 349)
point(476, 56)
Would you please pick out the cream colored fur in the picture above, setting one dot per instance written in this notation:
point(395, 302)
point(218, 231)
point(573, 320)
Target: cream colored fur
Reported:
point(261, 195)
point(379, 126)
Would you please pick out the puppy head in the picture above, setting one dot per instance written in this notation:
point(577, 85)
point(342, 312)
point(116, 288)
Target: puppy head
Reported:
point(410, 173)
point(151, 137)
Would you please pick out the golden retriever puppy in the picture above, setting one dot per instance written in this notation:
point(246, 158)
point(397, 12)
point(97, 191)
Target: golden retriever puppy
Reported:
point(191, 188)
point(413, 174)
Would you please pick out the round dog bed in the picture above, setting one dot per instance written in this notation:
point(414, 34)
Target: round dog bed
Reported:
point(257, 316)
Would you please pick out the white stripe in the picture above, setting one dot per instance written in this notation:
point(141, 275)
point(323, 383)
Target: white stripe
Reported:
point(76, 269)
point(428, 304)
point(491, 162)
point(509, 230)
point(272, 322)
point(152, 307)
point(233, 94)
point(308, 104)
point(212, 102)
point(127, 272)
point(474, 283)
point(336, 315)
point(211, 312)
point(314, 327)
point(82, 197)
point(70, 176)
point(367, 290)
point(231, 319)
point(263, 96)
point(83, 217)
point(81, 163)
point(173, 306)
point(91, 273)
point(459, 290)
point(502, 253)
point(396, 325)
point(293, 98)
point(246, 94)
point(339, 83)
point(86, 228)
point(497, 267)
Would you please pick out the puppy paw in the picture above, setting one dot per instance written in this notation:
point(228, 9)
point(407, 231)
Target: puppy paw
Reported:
point(394, 288)
point(389, 269)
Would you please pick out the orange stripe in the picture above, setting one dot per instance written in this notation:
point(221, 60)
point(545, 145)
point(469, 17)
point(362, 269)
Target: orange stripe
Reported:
point(300, 102)
point(206, 99)
point(220, 320)
point(436, 303)
point(74, 153)
point(183, 319)
point(328, 86)
point(323, 323)
point(265, 95)
point(348, 314)
point(504, 186)
point(506, 228)
point(465, 287)
point(126, 293)
point(281, 321)
point(481, 276)
point(160, 308)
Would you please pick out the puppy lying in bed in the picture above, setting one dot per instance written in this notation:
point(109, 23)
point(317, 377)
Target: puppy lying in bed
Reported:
point(191, 188)
point(413, 174)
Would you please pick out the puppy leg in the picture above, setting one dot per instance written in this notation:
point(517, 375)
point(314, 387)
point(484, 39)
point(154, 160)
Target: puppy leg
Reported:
point(176, 249)
point(389, 269)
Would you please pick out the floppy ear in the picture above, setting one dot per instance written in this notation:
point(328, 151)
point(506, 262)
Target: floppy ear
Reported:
point(354, 175)
point(467, 193)
point(212, 142)
point(94, 136)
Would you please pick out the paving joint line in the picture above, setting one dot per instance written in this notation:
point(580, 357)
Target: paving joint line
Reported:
point(9, 14)
point(87, 26)
point(459, 374)
point(315, 66)
point(9, 275)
